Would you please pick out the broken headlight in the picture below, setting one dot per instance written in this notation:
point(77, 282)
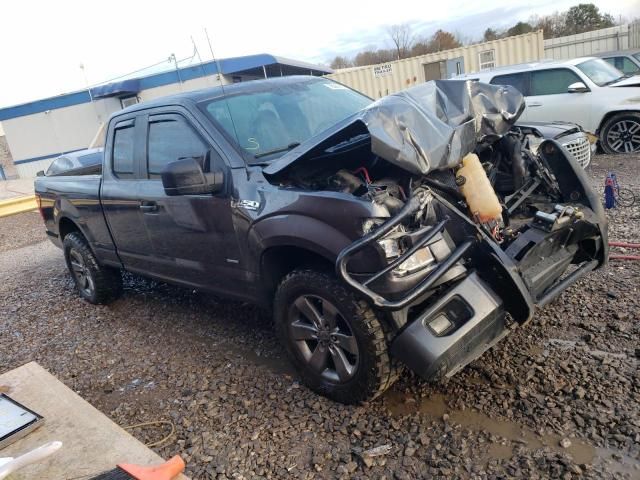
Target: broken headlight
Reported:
point(534, 143)
point(392, 247)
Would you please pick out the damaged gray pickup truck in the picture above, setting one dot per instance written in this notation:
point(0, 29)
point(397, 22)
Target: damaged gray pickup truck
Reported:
point(415, 230)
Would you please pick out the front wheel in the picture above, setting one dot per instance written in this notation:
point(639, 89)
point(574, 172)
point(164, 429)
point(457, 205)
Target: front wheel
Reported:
point(95, 283)
point(621, 134)
point(335, 340)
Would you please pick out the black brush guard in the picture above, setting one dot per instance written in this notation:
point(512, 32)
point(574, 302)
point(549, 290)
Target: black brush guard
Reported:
point(423, 236)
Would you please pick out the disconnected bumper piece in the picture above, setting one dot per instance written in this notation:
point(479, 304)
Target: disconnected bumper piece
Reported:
point(464, 322)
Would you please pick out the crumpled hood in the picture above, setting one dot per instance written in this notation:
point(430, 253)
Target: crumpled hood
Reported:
point(427, 127)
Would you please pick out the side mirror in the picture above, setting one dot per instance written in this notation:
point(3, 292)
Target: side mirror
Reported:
point(40, 173)
point(186, 177)
point(577, 87)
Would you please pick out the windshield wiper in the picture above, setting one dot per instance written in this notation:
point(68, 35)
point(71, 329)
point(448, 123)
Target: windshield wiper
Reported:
point(291, 146)
point(616, 80)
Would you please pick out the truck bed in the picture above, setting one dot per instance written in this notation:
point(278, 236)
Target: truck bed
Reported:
point(79, 197)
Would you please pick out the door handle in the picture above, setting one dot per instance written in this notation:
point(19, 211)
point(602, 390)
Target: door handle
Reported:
point(534, 104)
point(148, 207)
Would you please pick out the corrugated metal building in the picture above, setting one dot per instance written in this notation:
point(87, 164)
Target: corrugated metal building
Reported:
point(621, 37)
point(36, 132)
point(379, 80)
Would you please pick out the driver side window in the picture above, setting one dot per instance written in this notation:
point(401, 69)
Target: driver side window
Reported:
point(170, 139)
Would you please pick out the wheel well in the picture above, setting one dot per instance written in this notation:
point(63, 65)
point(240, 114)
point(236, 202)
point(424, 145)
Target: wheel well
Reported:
point(608, 115)
point(66, 226)
point(277, 262)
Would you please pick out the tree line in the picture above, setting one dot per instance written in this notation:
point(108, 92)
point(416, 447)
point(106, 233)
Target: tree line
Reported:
point(580, 18)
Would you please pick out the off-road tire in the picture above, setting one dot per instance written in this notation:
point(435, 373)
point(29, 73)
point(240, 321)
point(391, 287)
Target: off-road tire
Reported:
point(631, 118)
point(106, 281)
point(375, 371)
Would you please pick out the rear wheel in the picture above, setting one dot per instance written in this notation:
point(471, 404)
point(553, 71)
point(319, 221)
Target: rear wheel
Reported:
point(621, 134)
point(335, 340)
point(95, 283)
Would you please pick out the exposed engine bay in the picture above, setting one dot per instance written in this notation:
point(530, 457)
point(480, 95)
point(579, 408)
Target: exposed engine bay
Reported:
point(451, 145)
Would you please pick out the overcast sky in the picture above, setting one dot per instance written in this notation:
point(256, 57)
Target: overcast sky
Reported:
point(42, 44)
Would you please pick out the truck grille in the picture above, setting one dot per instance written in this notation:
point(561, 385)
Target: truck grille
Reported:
point(580, 148)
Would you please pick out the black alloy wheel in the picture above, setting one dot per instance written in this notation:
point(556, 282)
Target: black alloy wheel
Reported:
point(323, 338)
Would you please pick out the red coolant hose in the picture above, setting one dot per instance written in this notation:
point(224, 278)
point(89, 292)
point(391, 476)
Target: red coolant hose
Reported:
point(624, 245)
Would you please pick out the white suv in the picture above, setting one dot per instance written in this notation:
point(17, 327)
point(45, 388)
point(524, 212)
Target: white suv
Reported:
point(587, 91)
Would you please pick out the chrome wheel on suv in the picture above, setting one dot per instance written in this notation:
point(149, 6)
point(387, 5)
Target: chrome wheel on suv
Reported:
point(621, 134)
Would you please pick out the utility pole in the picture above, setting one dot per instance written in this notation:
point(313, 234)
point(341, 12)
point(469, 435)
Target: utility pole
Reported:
point(175, 62)
point(86, 84)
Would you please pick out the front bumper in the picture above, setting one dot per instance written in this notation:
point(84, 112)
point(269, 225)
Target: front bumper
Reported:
point(477, 321)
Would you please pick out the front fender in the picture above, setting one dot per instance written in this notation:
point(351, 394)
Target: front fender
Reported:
point(308, 233)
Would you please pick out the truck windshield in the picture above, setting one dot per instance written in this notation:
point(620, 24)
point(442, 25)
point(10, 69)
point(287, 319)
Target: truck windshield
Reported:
point(600, 72)
point(269, 122)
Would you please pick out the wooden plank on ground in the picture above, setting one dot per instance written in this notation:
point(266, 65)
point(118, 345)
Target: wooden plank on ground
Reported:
point(91, 442)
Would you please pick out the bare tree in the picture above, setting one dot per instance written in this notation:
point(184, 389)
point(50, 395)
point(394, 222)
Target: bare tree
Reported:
point(341, 62)
point(402, 39)
point(373, 57)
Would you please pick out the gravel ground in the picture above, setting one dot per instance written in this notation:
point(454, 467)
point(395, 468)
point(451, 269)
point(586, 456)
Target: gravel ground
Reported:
point(20, 230)
point(558, 398)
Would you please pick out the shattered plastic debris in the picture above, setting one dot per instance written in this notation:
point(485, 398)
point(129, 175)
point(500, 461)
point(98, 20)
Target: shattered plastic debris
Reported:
point(433, 125)
point(368, 456)
point(377, 451)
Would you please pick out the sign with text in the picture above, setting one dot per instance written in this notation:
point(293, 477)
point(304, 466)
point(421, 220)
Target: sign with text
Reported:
point(382, 70)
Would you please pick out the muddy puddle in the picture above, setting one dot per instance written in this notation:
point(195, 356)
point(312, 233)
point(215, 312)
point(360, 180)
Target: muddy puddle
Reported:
point(514, 435)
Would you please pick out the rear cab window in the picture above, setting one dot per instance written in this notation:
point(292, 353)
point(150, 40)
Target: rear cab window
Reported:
point(552, 81)
point(123, 144)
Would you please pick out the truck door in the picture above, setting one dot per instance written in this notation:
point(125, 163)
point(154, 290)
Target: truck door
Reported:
point(120, 178)
point(192, 236)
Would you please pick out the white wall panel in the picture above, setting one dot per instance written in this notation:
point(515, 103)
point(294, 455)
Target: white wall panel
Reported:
point(587, 43)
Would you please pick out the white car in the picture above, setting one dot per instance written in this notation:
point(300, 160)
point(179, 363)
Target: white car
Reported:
point(587, 91)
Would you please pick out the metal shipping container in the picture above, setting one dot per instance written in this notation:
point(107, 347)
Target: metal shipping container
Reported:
point(379, 80)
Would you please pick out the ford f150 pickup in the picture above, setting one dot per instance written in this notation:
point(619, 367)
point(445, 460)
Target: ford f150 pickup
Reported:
point(416, 230)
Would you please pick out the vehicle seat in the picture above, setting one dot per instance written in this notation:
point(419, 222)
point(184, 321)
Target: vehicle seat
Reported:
point(269, 131)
